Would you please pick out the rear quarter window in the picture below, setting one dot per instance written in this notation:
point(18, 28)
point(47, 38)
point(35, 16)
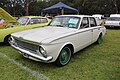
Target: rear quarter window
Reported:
point(43, 20)
point(85, 23)
point(92, 22)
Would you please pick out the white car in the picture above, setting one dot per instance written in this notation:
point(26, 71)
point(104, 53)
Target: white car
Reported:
point(98, 18)
point(112, 22)
point(57, 42)
point(98, 21)
point(115, 15)
point(98, 15)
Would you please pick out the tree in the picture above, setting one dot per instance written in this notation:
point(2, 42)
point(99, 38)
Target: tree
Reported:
point(26, 4)
point(33, 7)
point(23, 3)
point(115, 4)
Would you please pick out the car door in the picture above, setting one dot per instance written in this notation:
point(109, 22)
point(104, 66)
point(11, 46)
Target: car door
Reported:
point(84, 34)
point(95, 29)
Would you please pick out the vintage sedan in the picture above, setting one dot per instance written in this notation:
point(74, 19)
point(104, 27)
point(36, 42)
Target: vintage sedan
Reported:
point(57, 42)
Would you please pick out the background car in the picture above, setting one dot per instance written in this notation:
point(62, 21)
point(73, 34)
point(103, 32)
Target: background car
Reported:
point(23, 23)
point(30, 20)
point(57, 42)
point(112, 22)
point(99, 18)
point(115, 15)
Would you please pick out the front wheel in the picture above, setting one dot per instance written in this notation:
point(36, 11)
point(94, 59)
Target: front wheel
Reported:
point(64, 57)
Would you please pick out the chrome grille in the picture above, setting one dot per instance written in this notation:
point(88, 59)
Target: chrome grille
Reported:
point(26, 45)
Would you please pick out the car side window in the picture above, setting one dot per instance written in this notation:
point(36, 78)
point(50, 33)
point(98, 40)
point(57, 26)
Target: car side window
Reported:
point(92, 22)
point(43, 20)
point(34, 21)
point(85, 23)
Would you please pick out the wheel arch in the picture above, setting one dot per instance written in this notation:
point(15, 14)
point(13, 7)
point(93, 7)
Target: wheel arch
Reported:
point(71, 48)
point(101, 34)
point(6, 38)
point(70, 45)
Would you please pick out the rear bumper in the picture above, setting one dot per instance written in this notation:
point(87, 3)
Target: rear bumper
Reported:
point(31, 55)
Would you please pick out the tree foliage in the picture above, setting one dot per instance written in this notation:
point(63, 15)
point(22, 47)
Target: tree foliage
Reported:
point(34, 7)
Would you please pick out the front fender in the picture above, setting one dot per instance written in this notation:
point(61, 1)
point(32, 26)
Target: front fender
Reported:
point(8, 31)
point(54, 49)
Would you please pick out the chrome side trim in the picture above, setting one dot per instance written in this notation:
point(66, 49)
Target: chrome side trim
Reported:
point(34, 56)
point(76, 33)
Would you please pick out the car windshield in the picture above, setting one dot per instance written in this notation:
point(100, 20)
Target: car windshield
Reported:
point(23, 21)
point(114, 19)
point(65, 21)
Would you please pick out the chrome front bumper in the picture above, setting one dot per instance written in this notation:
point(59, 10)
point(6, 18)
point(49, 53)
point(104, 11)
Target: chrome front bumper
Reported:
point(32, 56)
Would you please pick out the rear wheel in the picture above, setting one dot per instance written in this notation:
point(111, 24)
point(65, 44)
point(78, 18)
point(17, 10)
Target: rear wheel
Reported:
point(64, 57)
point(6, 40)
point(99, 40)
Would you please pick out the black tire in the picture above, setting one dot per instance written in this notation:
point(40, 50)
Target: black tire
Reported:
point(99, 40)
point(6, 40)
point(64, 57)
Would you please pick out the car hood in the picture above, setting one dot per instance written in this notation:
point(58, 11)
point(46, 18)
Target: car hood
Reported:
point(7, 17)
point(45, 33)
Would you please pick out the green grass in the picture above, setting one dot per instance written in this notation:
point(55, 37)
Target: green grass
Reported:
point(96, 62)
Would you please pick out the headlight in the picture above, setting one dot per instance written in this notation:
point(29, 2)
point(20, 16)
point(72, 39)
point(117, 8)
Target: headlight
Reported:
point(42, 51)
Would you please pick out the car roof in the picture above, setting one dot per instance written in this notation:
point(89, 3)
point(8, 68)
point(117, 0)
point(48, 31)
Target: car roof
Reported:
point(33, 16)
point(115, 15)
point(76, 15)
point(7, 17)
